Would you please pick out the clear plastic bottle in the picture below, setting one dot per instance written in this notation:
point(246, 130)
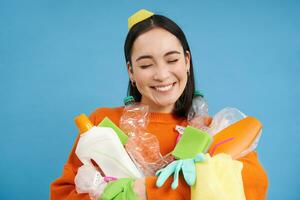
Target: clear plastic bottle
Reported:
point(198, 113)
point(143, 147)
point(135, 116)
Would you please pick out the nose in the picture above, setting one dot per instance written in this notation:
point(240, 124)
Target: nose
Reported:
point(161, 73)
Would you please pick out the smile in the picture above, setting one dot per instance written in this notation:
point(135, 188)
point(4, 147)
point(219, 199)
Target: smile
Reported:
point(164, 88)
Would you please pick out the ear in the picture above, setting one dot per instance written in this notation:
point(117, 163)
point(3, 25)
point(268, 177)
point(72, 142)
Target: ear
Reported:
point(130, 71)
point(187, 60)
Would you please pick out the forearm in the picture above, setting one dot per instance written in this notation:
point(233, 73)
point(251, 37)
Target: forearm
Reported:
point(166, 192)
point(64, 187)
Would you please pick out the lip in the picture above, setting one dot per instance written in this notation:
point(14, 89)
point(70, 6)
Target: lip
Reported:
point(165, 85)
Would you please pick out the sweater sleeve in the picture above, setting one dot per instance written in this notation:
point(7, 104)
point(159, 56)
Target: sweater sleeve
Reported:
point(254, 179)
point(64, 186)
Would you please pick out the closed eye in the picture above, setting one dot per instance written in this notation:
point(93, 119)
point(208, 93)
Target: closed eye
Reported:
point(145, 66)
point(173, 61)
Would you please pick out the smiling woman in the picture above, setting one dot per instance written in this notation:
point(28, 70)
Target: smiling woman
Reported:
point(160, 65)
point(160, 69)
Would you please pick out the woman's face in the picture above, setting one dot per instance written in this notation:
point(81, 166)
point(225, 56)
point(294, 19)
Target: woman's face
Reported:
point(159, 69)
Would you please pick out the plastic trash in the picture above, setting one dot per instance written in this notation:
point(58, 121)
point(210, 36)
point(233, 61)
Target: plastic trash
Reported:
point(135, 116)
point(238, 138)
point(224, 118)
point(198, 113)
point(89, 180)
point(143, 147)
point(102, 145)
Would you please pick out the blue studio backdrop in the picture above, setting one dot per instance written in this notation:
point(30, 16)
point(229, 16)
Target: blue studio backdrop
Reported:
point(62, 58)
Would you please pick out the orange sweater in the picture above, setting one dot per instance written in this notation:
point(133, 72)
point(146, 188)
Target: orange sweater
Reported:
point(163, 126)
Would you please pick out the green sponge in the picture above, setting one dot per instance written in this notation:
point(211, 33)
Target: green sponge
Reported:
point(192, 142)
point(106, 122)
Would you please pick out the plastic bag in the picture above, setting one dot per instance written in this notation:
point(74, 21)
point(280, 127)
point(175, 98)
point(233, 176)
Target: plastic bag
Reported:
point(89, 180)
point(224, 118)
point(218, 178)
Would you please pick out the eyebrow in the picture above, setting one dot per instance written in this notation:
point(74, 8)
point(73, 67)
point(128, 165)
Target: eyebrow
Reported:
point(149, 56)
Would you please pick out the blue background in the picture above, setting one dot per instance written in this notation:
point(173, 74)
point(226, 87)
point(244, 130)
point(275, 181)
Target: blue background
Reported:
point(62, 58)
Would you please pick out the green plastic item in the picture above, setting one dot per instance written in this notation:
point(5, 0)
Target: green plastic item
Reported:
point(128, 100)
point(121, 189)
point(106, 122)
point(198, 93)
point(192, 142)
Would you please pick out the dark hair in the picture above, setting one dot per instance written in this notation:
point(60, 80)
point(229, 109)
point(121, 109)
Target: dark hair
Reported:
point(184, 102)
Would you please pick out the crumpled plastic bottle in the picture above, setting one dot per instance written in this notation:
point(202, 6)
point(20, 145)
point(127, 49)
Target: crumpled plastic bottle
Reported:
point(143, 147)
point(135, 116)
point(198, 113)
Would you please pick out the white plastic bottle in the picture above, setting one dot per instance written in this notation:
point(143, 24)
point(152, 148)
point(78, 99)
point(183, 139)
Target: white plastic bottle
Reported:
point(102, 145)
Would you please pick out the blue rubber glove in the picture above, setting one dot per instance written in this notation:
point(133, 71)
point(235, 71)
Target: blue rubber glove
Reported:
point(188, 169)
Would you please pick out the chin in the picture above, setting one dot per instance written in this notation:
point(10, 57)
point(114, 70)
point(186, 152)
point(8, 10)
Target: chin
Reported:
point(166, 103)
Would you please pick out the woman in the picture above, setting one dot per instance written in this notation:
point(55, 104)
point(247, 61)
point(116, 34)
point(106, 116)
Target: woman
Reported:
point(160, 68)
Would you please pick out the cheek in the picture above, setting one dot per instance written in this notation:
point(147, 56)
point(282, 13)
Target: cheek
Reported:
point(180, 72)
point(142, 78)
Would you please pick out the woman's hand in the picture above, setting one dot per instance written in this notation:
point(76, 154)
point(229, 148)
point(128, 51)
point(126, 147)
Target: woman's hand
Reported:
point(139, 188)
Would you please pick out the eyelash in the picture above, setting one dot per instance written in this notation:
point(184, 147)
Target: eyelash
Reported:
point(144, 66)
point(171, 62)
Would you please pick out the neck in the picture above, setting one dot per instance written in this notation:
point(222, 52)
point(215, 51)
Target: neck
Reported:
point(158, 109)
point(154, 108)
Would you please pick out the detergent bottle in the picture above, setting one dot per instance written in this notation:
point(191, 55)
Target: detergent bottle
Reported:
point(142, 146)
point(103, 146)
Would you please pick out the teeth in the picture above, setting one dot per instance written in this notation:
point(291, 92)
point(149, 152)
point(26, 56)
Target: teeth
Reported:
point(164, 88)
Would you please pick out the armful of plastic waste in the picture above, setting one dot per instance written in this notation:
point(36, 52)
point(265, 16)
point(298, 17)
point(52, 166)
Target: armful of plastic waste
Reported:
point(220, 171)
point(234, 133)
point(189, 150)
point(142, 146)
point(237, 139)
point(102, 145)
point(89, 180)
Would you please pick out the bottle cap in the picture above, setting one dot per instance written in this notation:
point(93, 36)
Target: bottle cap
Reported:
point(198, 93)
point(83, 123)
point(128, 99)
